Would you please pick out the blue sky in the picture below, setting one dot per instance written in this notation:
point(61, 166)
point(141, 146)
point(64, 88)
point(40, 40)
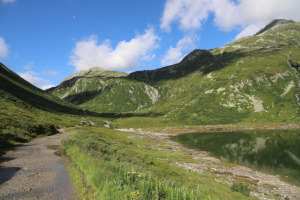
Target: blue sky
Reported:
point(44, 41)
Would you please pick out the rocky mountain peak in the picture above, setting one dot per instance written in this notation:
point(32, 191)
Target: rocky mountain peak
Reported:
point(97, 71)
point(274, 23)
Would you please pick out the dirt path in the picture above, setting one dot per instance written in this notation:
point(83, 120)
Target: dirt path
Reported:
point(264, 184)
point(33, 171)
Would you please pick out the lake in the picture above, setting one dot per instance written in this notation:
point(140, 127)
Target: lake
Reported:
point(272, 151)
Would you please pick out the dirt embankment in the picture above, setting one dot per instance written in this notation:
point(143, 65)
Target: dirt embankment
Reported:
point(33, 171)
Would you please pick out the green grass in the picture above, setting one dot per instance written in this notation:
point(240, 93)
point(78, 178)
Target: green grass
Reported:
point(19, 125)
point(118, 167)
point(27, 112)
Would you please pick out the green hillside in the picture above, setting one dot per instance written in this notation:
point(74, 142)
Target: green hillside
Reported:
point(254, 80)
point(105, 91)
point(27, 112)
point(250, 83)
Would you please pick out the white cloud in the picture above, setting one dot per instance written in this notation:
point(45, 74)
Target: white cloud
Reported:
point(254, 11)
point(189, 13)
point(228, 14)
point(8, 1)
point(3, 48)
point(51, 73)
point(126, 55)
point(175, 54)
point(249, 30)
point(34, 77)
point(45, 87)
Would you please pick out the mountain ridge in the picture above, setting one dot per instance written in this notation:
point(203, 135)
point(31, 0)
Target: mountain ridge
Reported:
point(274, 23)
point(217, 86)
point(97, 71)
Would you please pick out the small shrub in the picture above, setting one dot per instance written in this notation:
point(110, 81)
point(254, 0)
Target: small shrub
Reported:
point(240, 187)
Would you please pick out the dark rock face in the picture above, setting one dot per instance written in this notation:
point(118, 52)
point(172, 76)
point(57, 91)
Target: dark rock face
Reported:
point(294, 65)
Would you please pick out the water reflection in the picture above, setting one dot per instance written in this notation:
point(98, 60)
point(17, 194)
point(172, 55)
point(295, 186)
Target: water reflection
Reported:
point(274, 150)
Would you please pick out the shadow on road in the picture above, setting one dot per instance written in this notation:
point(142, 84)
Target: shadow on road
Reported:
point(6, 173)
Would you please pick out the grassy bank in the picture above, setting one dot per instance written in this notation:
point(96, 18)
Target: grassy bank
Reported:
point(21, 122)
point(118, 165)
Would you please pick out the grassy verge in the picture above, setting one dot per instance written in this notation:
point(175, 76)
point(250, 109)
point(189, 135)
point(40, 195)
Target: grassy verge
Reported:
point(21, 124)
point(119, 165)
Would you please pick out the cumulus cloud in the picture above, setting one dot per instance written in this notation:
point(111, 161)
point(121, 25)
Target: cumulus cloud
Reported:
point(249, 30)
point(248, 15)
point(175, 54)
point(188, 13)
point(8, 1)
point(3, 48)
point(253, 11)
point(34, 78)
point(126, 55)
point(45, 87)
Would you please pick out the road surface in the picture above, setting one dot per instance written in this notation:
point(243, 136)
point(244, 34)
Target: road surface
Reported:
point(33, 171)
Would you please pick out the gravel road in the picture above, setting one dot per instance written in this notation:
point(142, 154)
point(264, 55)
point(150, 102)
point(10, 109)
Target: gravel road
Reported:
point(33, 171)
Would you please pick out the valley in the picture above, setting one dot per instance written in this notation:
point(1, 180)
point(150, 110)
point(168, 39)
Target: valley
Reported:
point(208, 127)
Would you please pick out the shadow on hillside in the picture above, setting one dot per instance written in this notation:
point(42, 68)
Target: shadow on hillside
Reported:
point(125, 115)
point(199, 60)
point(82, 97)
point(34, 99)
point(8, 73)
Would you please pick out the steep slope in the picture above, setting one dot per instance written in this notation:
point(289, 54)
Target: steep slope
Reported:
point(273, 24)
point(12, 84)
point(105, 91)
point(198, 60)
point(26, 111)
point(252, 80)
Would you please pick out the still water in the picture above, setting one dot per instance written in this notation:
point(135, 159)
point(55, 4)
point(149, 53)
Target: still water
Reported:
point(273, 151)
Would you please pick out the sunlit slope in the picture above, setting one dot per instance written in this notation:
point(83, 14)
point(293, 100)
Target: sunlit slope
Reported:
point(105, 91)
point(252, 80)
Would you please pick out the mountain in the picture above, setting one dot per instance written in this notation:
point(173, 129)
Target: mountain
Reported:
point(13, 85)
point(250, 81)
point(97, 71)
point(276, 22)
point(188, 65)
point(105, 91)
point(27, 111)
